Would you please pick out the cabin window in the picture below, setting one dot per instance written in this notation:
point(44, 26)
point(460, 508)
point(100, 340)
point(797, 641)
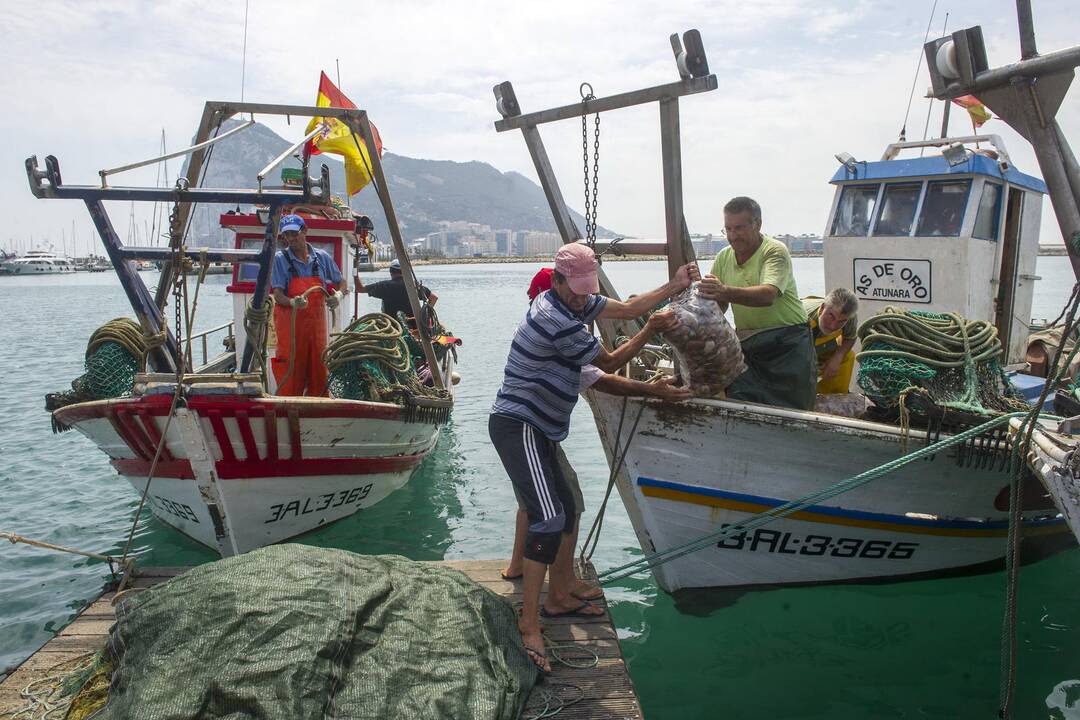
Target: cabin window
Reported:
point(898, 209)
point(986, 219)
point(249, 271)
point(855, 210)
point(943, 208)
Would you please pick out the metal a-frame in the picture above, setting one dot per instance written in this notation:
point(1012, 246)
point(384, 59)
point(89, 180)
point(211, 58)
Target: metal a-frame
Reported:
point(693, 68)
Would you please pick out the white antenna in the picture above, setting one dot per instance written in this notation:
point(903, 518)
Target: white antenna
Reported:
point(243, 61)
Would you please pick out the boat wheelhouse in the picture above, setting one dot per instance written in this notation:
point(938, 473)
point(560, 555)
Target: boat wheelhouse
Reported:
point(952, 231)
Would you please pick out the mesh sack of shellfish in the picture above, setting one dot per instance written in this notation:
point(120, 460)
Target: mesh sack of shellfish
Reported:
point(706, 347)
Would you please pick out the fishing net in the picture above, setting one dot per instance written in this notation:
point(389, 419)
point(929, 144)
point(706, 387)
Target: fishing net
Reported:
point(372, 360)
point(953, 362)
point(115, 353)
point(290, 632)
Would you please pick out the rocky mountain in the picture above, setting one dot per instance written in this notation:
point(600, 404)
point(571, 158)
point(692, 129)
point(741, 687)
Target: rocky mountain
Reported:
point(424, 192)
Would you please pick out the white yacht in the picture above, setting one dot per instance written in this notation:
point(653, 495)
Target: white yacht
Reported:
point(39, 262)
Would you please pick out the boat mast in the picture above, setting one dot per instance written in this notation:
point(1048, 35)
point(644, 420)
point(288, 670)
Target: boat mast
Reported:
point(360, 123)
point(1026, 95)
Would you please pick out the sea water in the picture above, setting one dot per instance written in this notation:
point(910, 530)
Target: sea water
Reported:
point(927, 649)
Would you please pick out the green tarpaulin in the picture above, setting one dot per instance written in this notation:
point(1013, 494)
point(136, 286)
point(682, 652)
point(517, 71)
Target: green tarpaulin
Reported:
point(294, 632)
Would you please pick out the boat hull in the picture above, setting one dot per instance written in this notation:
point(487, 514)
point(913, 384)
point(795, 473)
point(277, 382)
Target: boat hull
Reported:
point(238, 473)
point(695, 468)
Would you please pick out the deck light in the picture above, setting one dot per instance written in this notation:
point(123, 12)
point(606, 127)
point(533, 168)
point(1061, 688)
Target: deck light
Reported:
point(263, 214)
point(848, 161)
point(955, 154)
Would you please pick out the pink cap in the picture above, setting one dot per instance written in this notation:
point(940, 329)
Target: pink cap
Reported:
point(577, 263)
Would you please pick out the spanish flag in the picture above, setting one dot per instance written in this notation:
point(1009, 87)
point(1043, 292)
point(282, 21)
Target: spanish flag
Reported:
point(978, 112)
point(336, 137)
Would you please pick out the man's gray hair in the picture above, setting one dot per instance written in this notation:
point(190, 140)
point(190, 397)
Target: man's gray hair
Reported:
point(743, 204)
point(843, 301)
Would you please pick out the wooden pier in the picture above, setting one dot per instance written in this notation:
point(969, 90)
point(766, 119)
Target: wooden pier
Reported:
point(605, 691)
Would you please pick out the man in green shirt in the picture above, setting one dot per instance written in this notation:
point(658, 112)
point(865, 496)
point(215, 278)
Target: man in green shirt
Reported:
point(754, 276)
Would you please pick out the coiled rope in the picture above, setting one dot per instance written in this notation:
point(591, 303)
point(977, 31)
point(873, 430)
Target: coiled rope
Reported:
point(938, 340)
point(371, 361)
point(906, 351)
point(374, 336)
point(256, 328)
point(129, 335)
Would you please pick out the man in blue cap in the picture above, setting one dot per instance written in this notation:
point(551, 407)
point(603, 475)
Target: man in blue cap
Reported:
point(300, 310)
point(393, 294)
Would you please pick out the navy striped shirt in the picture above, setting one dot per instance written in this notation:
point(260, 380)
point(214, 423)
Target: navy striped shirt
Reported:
point(542, 375)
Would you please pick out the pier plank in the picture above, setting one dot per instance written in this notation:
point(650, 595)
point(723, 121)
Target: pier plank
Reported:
point(599, 693)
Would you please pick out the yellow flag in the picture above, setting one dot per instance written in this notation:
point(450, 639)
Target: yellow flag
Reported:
point(338, 139)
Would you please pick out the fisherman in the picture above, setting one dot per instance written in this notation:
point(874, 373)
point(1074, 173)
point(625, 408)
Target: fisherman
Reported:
point(562, 576)
point(393, 293)
point(754, 276)
point(531, 414)
point(305, 281)
point(833, 322)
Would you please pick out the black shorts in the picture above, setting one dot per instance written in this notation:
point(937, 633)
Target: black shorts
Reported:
point(530, 460)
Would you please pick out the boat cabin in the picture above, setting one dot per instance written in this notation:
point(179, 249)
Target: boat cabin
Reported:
point(952, 231)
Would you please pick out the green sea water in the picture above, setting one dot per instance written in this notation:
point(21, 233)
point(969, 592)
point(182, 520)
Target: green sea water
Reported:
point(927, 649)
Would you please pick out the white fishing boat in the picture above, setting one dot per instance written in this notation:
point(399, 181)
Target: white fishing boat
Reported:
point(954, 231)
point(216, 453)
point(39, 262)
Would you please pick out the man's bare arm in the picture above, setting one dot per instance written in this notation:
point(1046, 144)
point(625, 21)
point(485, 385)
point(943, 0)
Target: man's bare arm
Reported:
point(624, 386)
point(753, 296)
point(612, 361)
point(641, 304)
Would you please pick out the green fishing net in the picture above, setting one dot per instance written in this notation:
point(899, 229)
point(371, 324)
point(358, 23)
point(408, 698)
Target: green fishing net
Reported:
point(952, 361)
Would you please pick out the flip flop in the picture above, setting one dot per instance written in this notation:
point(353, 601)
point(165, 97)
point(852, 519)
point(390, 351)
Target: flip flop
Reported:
point(576, 612)
point(504, 576)
point(538, 658)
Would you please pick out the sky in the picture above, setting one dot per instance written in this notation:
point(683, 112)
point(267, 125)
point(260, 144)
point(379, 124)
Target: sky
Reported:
point(95, 82)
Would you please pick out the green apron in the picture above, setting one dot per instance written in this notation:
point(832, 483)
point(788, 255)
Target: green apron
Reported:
point(781, 369)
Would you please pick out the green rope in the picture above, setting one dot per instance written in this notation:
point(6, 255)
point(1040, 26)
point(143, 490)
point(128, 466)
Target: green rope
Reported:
point(371, 360)
point(115, 354)
point(793, 506)
point(954, 361)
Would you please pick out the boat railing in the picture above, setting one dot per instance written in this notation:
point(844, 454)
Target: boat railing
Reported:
point(893, 150)
point(201, 340)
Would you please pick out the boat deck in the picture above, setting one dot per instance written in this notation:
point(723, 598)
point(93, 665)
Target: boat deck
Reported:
point(606, 690)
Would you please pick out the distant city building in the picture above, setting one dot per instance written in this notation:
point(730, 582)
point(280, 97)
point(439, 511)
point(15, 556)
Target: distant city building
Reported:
point(801, 243)
point(707, 245)
point(540, 243)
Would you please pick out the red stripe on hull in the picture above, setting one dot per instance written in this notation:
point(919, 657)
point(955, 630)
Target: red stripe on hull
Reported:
point(180, 469)
point(158, 406)
point(244, 470)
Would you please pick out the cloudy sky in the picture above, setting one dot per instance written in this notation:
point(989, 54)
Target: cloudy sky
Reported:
point(94, 82)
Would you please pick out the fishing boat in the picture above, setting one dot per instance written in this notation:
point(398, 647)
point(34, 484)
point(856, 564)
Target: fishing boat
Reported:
point(39, 262)
point(213, 450)
point(953, 231)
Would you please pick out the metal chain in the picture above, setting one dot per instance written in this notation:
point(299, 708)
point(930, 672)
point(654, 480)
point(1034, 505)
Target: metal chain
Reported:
point(592, 186)
point(176, 242)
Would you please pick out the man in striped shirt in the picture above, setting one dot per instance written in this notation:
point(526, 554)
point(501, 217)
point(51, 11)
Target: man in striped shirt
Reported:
point(532, 410)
